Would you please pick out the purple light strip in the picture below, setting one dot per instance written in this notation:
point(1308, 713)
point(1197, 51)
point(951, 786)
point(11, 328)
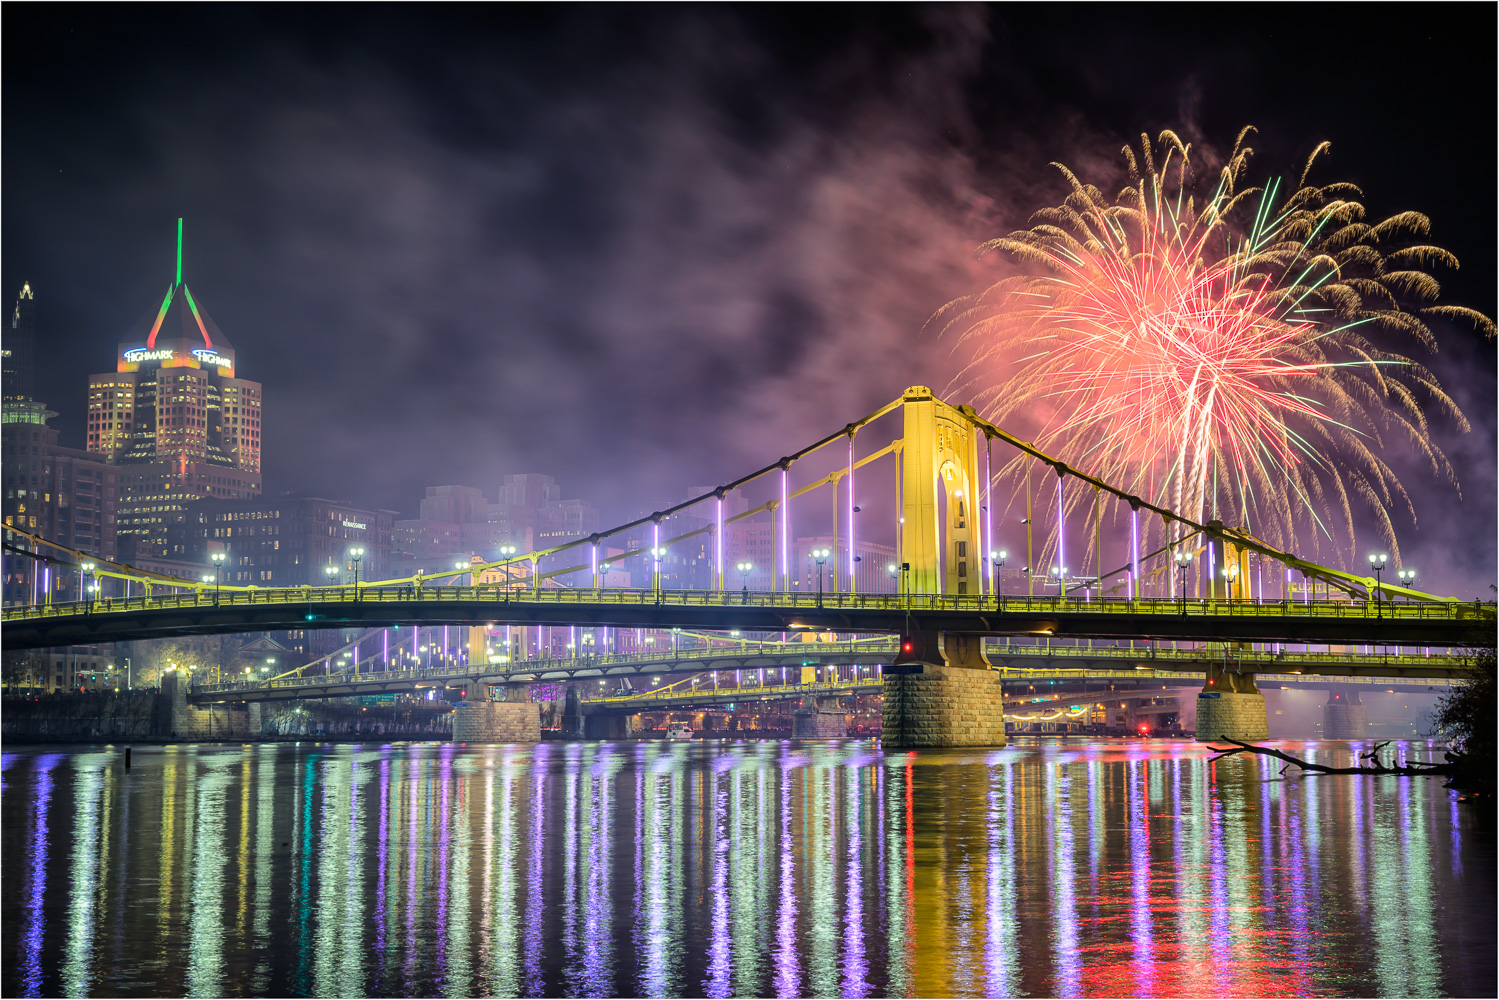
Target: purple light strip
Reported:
point(785, 526)
point(853, 567)
point(718, 549)
point(1061, 551)
point(1134, 551)
point(989, 520)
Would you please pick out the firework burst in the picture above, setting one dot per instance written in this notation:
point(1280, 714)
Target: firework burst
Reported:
point(1226, 356)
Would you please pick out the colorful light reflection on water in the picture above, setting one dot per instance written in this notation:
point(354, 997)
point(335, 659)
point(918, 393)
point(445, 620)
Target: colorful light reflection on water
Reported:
point(734, 869)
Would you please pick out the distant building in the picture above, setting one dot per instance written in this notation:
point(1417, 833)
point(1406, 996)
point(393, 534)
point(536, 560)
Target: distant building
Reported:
point(289, 541)
point(457, 522)
point(872, 571)
point(18, 349)
point(175, 417)
point(753, 541)
point(66, 495)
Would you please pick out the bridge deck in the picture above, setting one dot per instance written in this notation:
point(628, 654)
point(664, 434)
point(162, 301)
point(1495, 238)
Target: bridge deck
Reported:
point(1019, 662)
point(201, 613)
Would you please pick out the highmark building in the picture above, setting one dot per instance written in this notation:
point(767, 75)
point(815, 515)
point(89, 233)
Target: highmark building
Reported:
point(175, 418)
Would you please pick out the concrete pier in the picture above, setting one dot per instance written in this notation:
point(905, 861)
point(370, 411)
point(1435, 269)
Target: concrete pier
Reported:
point(1345, 716)
point(819, 719)
point(942, 694)
point(481, 720)
point(1230, 706)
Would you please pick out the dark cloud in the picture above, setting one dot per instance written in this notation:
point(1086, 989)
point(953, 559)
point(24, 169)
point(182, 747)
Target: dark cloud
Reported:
point(639, 248)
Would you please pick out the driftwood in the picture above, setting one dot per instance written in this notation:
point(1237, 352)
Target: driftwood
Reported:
point(1375, 765)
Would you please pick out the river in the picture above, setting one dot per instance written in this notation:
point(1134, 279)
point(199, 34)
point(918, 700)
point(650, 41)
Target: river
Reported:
point(722, 868)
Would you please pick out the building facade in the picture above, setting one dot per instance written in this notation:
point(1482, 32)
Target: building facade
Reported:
point(289, 541)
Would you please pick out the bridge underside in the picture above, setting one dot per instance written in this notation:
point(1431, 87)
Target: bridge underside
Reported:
point(1075, 619)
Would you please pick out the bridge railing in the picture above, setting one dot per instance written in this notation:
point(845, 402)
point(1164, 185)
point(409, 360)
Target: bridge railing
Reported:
point(499, 597)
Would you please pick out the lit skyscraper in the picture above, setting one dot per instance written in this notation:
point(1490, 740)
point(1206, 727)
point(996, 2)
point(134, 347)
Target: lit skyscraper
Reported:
point(175, 418)
point(19, 348)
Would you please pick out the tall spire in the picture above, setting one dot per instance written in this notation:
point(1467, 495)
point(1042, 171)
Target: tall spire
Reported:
point(179, 252)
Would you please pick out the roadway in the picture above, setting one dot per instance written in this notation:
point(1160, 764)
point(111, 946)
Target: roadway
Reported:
point(274, 610)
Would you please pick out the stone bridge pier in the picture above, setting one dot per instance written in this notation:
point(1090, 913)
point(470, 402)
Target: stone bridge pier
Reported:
point(941, 693)
point(177, 720)
point(481, 719)
point(1231, 706)
point(1345, 716)
point(573, 724)
point(819, 718)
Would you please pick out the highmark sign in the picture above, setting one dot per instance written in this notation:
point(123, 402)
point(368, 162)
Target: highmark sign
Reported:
point(170, 358)
point(138, 354)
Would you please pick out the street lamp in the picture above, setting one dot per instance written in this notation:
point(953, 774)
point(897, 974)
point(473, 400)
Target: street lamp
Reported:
point(657, 552)
point(1183, 559)
point(997, 560)
point(744, 568)
point(820, 556)
point(356, 553)
point(218, 564)
point(1060, 572)
point(331, 572)
point(1376, 563)
point(87, 568)
point(1407, 577)
point(1230, 577)
point(507, 551)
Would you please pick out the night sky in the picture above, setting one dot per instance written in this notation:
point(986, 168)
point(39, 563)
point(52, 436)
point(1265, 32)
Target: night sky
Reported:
point(642, 249)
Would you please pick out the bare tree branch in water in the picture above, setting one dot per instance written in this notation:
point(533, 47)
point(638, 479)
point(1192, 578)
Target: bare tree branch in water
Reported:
point(1374, 765)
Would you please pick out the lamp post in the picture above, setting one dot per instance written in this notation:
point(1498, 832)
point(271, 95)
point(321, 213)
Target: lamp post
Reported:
point(1060, 572)
point(507, 551)
point(1407, 577)
point(88, 592)
point(656, 553)
point(356, 553)
point(820, 556)
point(997, 560)
point(1377, 563)
point(1183, 560)
point(218, 565)
point(1230, 577)
point(744, 568)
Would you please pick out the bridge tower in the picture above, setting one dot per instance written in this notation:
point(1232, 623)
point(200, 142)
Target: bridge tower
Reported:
point(942, 490)
point(940, 692)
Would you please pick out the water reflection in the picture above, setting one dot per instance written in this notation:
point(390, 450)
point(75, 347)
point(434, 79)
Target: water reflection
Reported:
point(724, 869)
